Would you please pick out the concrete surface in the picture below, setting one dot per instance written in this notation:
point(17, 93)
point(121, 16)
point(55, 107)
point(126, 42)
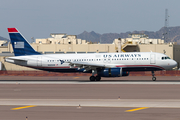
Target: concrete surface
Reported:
point(60, 99)
point(153, 103)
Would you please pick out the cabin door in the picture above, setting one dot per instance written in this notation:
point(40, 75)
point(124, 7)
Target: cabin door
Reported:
point(152, 59)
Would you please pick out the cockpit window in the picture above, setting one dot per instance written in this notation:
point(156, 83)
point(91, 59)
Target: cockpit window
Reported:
point(164, 58)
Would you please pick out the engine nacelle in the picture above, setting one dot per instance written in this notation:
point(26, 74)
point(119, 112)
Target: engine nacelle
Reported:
point(112, 72)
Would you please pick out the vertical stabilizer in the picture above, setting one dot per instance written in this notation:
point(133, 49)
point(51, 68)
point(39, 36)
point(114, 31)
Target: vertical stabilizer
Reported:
point(20, 45)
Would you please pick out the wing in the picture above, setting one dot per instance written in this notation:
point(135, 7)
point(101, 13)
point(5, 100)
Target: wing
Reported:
point(90, 66)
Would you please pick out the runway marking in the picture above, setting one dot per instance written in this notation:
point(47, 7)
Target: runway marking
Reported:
point(18, 108)
point(136, 109)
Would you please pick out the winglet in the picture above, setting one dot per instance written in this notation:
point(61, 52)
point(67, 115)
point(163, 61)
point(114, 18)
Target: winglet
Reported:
point(10, 30)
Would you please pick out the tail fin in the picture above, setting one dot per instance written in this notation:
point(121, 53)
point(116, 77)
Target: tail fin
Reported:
point(20, 45)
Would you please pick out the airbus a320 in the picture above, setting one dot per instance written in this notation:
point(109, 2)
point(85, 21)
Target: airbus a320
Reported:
point(99, 64)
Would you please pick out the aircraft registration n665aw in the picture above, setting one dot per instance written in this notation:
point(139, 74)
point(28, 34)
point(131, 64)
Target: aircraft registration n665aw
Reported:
point(99, 64)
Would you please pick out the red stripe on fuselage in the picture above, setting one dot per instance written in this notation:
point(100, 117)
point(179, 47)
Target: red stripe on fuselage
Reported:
point(12, 30)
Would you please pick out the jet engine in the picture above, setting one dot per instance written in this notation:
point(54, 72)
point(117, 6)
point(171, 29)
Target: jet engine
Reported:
point(112, 72)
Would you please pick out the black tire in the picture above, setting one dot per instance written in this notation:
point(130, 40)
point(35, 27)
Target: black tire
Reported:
point(92, 78)
point(98, 78)
point(154, 78)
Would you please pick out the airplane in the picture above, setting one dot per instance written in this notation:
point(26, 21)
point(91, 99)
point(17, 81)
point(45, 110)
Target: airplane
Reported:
point(99, 64)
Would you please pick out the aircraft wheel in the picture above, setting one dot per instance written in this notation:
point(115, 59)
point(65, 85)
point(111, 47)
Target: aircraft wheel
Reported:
point(92, 78)
point(154, 78)
point(98, 78)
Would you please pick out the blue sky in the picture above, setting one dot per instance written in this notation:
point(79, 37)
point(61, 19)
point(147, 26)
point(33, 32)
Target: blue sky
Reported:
point(39, 18)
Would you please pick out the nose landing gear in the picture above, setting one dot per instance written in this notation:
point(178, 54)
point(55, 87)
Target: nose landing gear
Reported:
point(153, 78)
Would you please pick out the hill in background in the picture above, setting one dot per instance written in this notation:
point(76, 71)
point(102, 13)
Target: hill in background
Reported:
point(2, 38)
point(174, 35)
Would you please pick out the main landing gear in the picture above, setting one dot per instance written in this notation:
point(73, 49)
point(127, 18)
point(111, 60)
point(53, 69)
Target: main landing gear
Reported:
point(95, 78)
point(153, 78)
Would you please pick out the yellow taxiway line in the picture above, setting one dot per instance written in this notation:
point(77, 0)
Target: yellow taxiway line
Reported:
point(18, 108)
point(136, 109)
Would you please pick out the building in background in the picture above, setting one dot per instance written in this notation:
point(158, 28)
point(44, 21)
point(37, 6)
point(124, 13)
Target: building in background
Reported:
point(61, 43)
point(3, 42)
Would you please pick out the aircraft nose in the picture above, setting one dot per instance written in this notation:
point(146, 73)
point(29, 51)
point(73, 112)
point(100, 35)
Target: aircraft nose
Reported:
point(174, 63)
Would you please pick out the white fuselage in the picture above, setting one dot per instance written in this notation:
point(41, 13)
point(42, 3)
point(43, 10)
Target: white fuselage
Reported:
point(131, 61)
